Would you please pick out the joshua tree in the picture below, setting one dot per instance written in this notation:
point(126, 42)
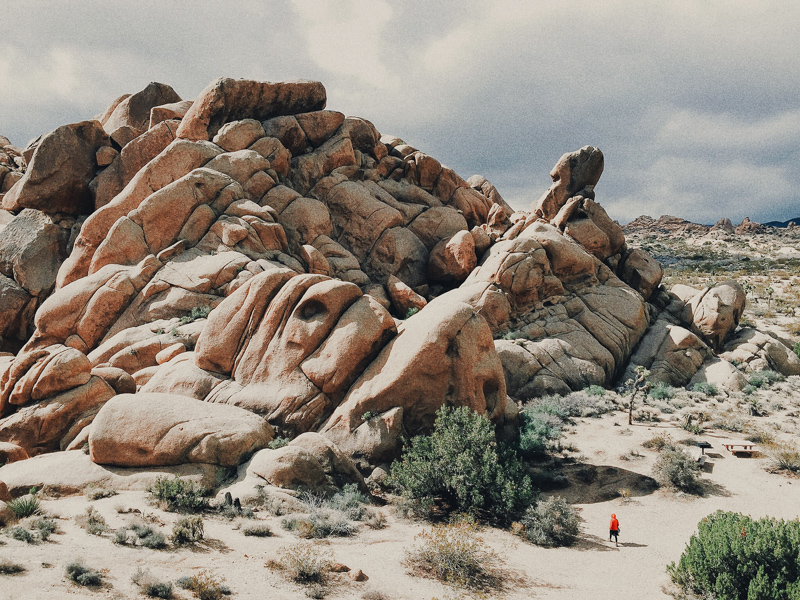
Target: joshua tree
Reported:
point(636, 385)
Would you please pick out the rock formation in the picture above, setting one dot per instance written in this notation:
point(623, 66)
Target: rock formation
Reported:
point(208, 274)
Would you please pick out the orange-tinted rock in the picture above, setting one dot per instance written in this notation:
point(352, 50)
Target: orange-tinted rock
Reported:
point(454, 259)
point(134, 111)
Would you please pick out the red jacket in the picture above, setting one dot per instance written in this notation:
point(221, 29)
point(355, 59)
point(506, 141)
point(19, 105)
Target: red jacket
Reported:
point(614, 523)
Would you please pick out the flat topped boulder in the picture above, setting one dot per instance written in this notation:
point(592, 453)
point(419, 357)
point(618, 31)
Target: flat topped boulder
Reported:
point(226, 99)
point(150, 429)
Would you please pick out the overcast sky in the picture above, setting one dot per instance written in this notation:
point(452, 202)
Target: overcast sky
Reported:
point(695, 103)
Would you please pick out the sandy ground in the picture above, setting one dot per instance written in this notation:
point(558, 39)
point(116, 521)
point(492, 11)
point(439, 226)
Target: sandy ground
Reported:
point(655, 527)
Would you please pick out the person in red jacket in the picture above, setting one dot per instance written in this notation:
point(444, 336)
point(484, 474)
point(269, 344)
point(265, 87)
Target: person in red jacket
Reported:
point(613, 530)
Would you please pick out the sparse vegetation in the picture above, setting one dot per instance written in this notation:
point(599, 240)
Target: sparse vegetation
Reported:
point(179, 495)
point(25, 506)
point(552, 522)
point(411, 312)
point(464, 469)
point(92, 521)
point(83, 575)
point(204, 585)
point(150, 586)
point(675, 468)
point(198, 312)
point(305, 562)
point(661, 391)
point(764, 379)
point(188, 530)
point(455, 554)
point(22, 535)
point(257, 530)
point(784, 457)
point(709, 389)
point(734, 557)
point(93, 492)
point(8, 567)
point(660, 441)
point(278, 442)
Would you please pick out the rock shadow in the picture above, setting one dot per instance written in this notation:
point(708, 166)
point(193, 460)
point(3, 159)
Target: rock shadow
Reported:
point(589, 484)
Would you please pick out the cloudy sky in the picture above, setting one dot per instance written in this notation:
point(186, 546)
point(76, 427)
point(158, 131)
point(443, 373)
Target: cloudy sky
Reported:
point(695, 103)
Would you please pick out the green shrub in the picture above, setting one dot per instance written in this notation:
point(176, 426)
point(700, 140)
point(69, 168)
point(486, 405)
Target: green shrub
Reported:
point(205, 586)
point(278, 442)
point(596, 390)
point(411, 312)
point(784, 458)
point(154, 540)
point(764, 379)
point(552, 522)
point(45, 527)
point(96, 493)
point(709, 389)
point(92, 521)
point(198, 312)
point(675, 468)
point(257, 530)
point(304, 562)
point(83, 575)
point(320, 524)
point(734, 557)
point(188, 530)
point(350, 501)
point(158, 589)
point(25, 506)
point(661, 391)
point(537, 430)
point(369, 415)
point(179, 495)
point(462, 466)
point(796, 348)
point(10, 568)
point(454, 554)
point(22, 535)
point(660, 441)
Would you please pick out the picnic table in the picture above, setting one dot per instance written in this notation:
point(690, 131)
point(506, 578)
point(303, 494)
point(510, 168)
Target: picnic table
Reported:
point(740, 448)
point(703, 445)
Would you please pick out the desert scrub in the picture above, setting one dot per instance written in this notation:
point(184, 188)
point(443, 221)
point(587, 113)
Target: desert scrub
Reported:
point(21, 535)
point(179, 495)
point(734, 557)
point(205, 586)
point(188, 530)
point(595, 390)
point(278, 442)
point(305, 562)
point(350, 501)
point(256, 530)
point(552, 522)
point(320, 524)
point(92, 492)
point(150, 586)
point(709, 389)
point(45, 527)
point(764, 379)
point(25, 506)
point(83, 575)
point(661, 391)
point(675, 468)
point(660, 441)
point(92, 521)
point(198, 312)
point(8, 567)
point(454, 554)
point(784, 457)
point(463, 468)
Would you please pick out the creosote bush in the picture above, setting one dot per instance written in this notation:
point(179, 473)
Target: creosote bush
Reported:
point(675, 468)
point(455, 554)
point(734, 557)
point(709, 389)
point(83, 575)
point(305, 562)
point(179, 495)
point(784, 457)
point(188, 530)
point(204, 585)
point(552, 522)
point(661, 391)
point(463, 469)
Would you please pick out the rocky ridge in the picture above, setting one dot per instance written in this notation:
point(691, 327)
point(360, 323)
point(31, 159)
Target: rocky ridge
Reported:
point(183, 281)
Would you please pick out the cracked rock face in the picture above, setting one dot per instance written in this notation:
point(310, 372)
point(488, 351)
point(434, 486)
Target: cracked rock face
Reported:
point(251, 249)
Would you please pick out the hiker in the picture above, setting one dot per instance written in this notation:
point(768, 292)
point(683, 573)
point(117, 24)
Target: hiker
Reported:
point(613, 529)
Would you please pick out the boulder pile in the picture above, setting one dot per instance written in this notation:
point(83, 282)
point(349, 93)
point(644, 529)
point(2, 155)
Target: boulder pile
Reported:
point(184, 281)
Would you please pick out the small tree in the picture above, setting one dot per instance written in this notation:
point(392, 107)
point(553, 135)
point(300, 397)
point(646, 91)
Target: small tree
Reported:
point(636, 385)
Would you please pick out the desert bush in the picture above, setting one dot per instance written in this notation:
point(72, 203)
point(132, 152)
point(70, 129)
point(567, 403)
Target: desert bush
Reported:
point(83, 575)
point(25, 506)
point(305, 562)
point(198, 312)
point(734, 557)
point(121, 536)
point(764, 379)
point(204, 585)
point(660, 441)
point(350, 501)
point(646, 415)
point(551, 522)
point(596, 390)
point(320, 524)
point(463, 468)
point(661, 391)
point(179, 495)
point(675, 468)
point(188, 530)
point(21, 535)
point(796, 348)
point(92, 521)
point(257, 530)
point(154, 541)
point(92, 492)
point(709, 389)
point(729, 422)
point(150, 586)
point(278, 442)
point(45, 527)
point(761, 436)
point(375, 520)
point(454, 554)
point(784, 457)
point(537, 431)
point(8, 567)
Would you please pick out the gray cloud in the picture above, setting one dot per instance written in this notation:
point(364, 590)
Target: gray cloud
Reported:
point(694, 104)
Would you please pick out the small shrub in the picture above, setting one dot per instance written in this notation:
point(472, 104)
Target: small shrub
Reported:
point(154, 541)
point(375, 520)
point(25, 506)
point(761, 436)
point(158, 589)
point(660, 441)
point(45, 527)
point(257, 530)
point(304, 562)
point(796, 348)
point(278, 442)
point(596, 390)
point(92, 521)
point(411, 312)
point(461, 464)
point(22, 535)
point(10, 568)
point(662, 391)
point(320, 524)
point(204, 585)
point(734, 557)
point(179, 495)
point(709, 389)
point(784, 458)
point(764, 379)
point(552, 522)
point(537, 431)
point(198, 312)
point(675, 468)
point(188, 530)
point(350, 501)
point(83, 575)
point(121, 536)
point(96, 493)
point(369, 415)
point(454, 554)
